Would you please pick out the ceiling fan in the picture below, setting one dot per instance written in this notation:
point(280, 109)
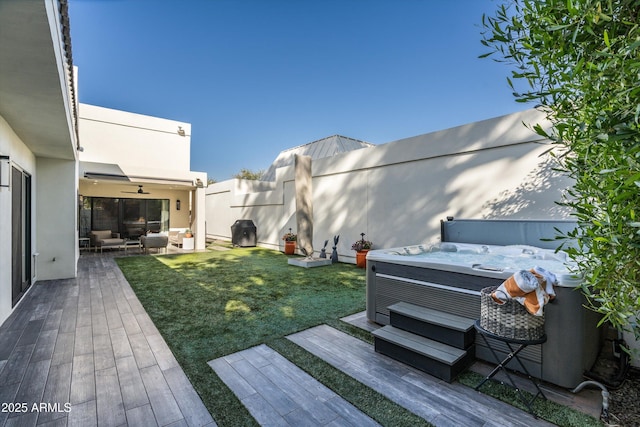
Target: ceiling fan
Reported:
point(140, 191)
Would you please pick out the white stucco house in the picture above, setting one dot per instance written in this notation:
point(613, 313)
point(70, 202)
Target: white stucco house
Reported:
point(62, 162)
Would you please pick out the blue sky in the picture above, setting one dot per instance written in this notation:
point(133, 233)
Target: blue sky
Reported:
point(254, 77)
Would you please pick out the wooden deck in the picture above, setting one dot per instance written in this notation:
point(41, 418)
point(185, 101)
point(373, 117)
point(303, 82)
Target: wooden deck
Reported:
point(87, 349)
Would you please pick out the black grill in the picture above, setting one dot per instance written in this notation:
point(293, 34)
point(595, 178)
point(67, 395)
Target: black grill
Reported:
point(243, 233)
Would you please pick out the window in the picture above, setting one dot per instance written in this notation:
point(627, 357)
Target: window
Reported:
point(129, 217)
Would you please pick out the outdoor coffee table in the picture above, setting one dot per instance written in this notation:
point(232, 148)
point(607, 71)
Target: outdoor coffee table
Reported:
point(513, 354)
point(131, 243)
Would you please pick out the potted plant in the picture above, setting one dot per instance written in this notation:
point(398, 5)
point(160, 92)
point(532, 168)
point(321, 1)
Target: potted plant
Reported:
point(188, 233)
point(290, 242)
point(362, 247)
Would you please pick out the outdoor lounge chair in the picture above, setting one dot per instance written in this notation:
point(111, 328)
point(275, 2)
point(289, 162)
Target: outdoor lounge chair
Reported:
point(104, 238)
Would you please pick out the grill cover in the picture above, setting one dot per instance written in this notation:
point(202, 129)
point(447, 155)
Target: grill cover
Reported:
point(243, 233)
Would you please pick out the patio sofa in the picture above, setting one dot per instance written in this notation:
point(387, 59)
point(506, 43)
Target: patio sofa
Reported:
point(104, 238)
point(156, 241)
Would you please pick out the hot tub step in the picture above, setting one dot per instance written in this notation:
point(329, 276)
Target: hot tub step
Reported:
point(446, 328)
point(433, 357)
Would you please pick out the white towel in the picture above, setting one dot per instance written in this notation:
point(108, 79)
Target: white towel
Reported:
point(550, 280)
point(533, 289)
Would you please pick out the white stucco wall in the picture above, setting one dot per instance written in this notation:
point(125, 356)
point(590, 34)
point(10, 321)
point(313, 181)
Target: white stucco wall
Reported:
point(120, 137)
point(56, 216)
point(23, 158)
point(397, 193)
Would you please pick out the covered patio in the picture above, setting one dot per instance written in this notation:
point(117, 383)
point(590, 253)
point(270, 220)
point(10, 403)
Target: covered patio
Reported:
point(134, 176)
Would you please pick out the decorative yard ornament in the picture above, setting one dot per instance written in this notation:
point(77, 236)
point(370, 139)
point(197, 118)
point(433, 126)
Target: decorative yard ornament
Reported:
point(323, 251)
point(334, 254)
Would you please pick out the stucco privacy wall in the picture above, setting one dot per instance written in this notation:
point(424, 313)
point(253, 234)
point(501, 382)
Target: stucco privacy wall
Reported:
point(397, 193)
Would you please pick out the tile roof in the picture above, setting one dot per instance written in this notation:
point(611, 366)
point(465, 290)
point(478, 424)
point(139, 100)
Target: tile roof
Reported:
point(66, 37)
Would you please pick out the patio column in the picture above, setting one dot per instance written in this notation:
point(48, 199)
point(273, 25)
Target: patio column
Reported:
point(198, 217)
point(304, 203)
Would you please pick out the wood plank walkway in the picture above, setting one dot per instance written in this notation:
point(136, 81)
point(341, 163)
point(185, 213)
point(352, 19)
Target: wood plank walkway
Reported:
point(278, 393)
point(438, 402)
point(589, 400)
point(88, 351)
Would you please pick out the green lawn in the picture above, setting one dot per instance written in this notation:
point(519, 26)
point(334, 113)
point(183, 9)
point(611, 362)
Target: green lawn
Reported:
point(212, 304)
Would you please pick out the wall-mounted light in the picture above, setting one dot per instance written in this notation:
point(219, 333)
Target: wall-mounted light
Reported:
point(178, 204)
point(181, 131)
point(5, 171)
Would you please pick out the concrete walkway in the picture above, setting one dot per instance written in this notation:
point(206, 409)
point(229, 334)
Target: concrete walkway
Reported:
point(83, 352)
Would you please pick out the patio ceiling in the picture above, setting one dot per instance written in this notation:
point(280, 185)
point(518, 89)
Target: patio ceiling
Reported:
point(36, 95)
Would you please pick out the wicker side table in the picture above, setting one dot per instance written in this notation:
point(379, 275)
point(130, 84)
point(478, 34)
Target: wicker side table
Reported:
point(513, 354)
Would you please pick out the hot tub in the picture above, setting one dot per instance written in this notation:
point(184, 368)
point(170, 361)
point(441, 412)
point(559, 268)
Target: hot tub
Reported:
point(448, 277)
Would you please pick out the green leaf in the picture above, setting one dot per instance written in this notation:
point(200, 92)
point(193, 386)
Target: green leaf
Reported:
point(605, 17)
point(557, 27)
point(632, 179)
point(580, 59)
point(510, 82)
point(605, 171)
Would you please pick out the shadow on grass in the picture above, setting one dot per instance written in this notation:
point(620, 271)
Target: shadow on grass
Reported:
point(211, 304)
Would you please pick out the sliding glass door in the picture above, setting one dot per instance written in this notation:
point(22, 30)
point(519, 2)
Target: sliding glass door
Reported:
point(20, 234)
point(105, 213)
point(134, 218)
point(157, 215)
point(129, 217)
